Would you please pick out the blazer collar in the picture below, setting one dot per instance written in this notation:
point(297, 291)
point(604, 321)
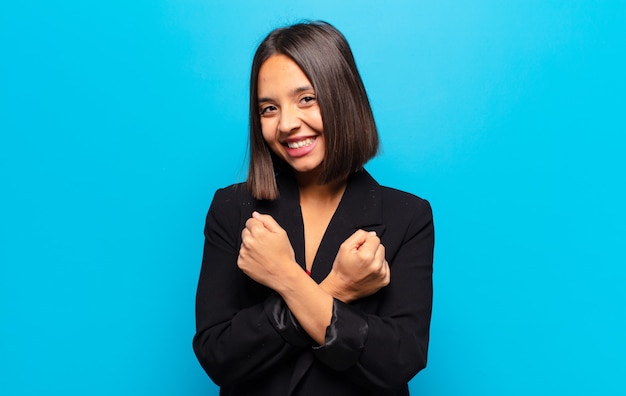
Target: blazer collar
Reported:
point(359, 208)
point(361, 204)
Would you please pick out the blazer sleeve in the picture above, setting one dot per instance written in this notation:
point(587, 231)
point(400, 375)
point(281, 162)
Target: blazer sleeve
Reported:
point(237, 338)
point(385, 349)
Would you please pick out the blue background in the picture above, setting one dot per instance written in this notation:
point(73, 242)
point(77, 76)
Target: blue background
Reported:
point(119, 119)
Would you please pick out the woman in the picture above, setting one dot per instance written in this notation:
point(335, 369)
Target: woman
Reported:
point(314, 277)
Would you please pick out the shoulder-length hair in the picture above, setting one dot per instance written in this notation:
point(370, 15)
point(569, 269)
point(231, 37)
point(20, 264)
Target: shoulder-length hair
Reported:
point(350, 134)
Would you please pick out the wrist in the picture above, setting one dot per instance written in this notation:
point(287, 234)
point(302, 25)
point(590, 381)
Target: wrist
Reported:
point(289, 278)
point(331, 286)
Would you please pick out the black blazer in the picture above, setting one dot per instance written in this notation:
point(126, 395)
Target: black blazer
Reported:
point(249, 343)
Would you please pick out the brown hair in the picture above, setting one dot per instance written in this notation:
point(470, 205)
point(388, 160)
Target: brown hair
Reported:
point(350, 134)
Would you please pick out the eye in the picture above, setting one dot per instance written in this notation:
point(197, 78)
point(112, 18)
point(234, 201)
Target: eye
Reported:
point(264, 110)
point(308, 99)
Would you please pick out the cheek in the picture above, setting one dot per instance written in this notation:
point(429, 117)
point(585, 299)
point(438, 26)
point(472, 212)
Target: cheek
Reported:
point(317, 122)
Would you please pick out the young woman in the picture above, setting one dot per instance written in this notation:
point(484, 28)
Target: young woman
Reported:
point(314, 277)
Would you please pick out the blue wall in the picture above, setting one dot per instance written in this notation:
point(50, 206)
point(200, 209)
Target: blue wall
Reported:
point(119, 119)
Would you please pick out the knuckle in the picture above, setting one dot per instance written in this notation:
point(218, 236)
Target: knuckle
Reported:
point(367, 256)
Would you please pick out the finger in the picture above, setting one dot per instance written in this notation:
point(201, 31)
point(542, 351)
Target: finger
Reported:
point(380, 253)
point(370, 245)
point(267, 221)
point(357, 239)
point(251, 222)
point(254, 226)
point(378, 263)
point(246, 237)
point(387, 278)
point(245, 233)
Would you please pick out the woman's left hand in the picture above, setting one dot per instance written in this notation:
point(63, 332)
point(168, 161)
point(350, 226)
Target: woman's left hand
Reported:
point(265, 253)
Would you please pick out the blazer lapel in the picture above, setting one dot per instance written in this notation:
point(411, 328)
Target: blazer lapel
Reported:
point(360, 208)
point(286, 211)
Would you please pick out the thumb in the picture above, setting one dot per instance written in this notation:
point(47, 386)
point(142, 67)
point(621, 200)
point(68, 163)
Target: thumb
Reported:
point(268, 221)
point(356, 240)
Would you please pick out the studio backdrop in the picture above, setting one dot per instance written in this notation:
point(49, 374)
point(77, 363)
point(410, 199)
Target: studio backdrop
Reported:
point(119, 120)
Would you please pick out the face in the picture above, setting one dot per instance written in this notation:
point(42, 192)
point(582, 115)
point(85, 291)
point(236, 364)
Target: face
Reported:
point(291, 120)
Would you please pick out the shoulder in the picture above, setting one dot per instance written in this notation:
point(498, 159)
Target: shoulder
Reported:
point(395, 206)
point(409, 220)
point(391, 199)
point(402, 200)
point(235, 194)
point(229, 205)
point(405, 210)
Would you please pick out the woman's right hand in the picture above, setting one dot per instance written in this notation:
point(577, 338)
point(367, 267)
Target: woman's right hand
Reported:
point(360, 268)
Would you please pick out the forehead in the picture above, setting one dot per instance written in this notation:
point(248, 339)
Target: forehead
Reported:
point(280, 74)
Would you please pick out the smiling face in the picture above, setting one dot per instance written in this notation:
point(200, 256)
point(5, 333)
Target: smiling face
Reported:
point(291, 120)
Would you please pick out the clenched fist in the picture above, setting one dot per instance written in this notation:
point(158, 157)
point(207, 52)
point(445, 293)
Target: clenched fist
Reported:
point(359, 269)
point(265, 253)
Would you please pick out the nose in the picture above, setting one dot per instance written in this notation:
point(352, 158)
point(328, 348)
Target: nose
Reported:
point(289, 120)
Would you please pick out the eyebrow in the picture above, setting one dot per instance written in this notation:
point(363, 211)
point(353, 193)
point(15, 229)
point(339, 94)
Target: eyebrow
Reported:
point(295, 91)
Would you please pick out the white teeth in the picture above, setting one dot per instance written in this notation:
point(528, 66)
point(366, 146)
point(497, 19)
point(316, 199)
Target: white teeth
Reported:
point(301, 143)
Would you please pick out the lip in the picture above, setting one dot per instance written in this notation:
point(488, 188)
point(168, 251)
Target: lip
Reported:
point(300, 151)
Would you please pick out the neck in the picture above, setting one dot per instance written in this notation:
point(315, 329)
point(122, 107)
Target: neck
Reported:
point(314, 193)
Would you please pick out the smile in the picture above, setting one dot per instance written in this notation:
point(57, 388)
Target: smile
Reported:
point(300, 143)
point(300, 147)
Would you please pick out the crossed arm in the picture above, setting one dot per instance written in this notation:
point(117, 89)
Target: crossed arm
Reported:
point(359, 270)
point(243, 333)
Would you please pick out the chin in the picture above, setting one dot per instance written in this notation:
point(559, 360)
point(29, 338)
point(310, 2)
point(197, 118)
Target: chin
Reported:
point(307, 169)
